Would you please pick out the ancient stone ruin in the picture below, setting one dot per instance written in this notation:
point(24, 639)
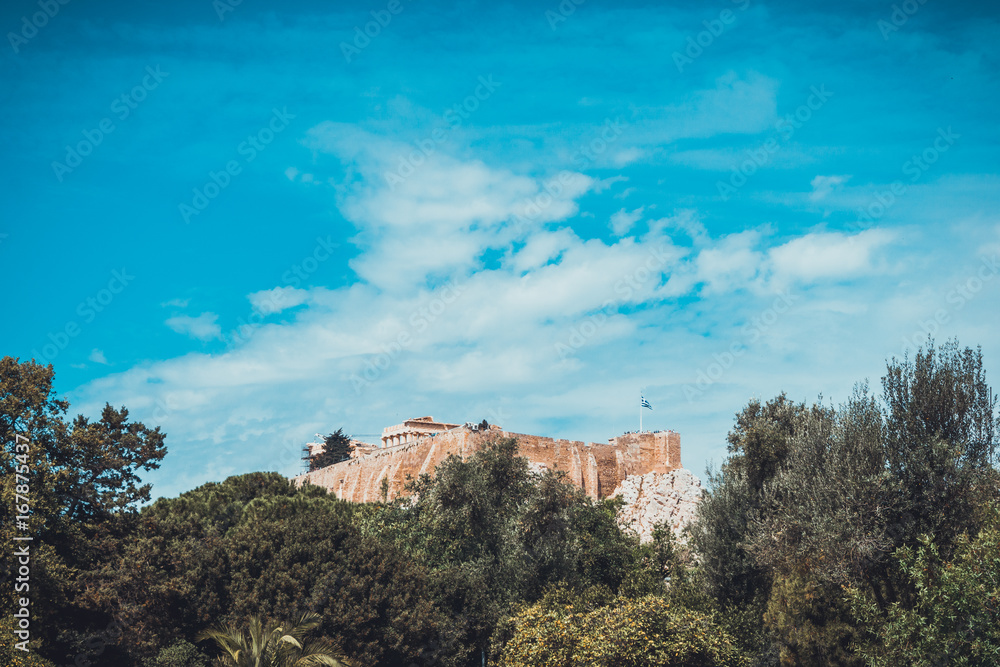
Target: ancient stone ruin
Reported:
point(418, 445)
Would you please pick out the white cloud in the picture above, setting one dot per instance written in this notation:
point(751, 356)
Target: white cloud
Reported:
point(627, 156)
point(622, 220)
point(427, 329)
point(824, 185)
point(828, 255)
point(432, 216)
point(97, 356)
point(602, 184)
point(267, 302)
point(176, 303)
point(539, 249)
point(732, 263)
point(738, 104)
point(202, 327)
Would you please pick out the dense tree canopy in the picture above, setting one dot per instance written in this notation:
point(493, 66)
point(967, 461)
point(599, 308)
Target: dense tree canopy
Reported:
point(83, 489)
point(815, 501)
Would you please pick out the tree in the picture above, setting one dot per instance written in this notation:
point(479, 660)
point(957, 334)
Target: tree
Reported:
point(868, 480)
point(495, 534)
point(810, 621)
point(955, 619)
point(289, 555)
point(98, 469)
point(827, 506)
point(337, 447)
point(941, 441)
point(759, 441)
point(84, 490)
point(818, 525)
point(225, 551)
point(274, 644)
point(642, 632)
point(759, 444)
point(179, 654)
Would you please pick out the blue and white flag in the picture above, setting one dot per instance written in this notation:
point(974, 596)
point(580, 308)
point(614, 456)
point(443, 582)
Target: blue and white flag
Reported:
point(645, 403)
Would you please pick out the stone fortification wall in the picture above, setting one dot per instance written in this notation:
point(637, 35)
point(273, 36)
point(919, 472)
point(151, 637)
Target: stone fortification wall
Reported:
point(598, 469)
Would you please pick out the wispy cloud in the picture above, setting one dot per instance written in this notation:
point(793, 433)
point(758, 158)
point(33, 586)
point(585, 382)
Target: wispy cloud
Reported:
point(622, 220)
point(824, 185)
point(202, 327)
point(268, 302)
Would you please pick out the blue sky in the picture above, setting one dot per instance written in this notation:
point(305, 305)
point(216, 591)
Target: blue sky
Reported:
point(249, 224)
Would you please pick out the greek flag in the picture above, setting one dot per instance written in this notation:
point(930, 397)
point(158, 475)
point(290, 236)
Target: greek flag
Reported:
point(644, 403)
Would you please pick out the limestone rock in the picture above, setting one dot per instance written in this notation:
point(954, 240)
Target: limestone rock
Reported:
point(656, 497)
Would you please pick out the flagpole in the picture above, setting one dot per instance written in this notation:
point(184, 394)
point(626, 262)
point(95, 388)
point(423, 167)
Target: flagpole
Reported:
point(640, 410)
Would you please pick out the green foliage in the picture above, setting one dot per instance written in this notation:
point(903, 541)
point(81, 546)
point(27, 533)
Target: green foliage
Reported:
point(955, 618)
point(730, 573)
point(10, 656)
point(169, 577)
point(98, 463)
point(739, 583)
point(179, 654)
point(825, 511)
point(759, 441)
point(369, 593)
point(860, 484)
point(811, 622)
point(643, 632)
point(337, 447)
point(853, 485)
point(274, 644)
point(941, 440)
point(84, 487)
point(230, 550)
point(495, 534)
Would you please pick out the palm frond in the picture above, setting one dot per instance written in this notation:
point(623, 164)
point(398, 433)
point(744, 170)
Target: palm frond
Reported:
point(274, 644)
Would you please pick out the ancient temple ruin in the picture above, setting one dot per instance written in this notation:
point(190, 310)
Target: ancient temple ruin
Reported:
point(416, 446)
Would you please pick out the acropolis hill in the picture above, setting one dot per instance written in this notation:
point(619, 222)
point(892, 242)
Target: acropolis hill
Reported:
point(418, 445)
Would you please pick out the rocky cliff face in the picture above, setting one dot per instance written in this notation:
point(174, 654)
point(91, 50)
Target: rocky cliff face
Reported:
point(656, 497)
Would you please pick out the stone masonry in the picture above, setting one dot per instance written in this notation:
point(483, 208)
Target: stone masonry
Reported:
point(598, 469)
